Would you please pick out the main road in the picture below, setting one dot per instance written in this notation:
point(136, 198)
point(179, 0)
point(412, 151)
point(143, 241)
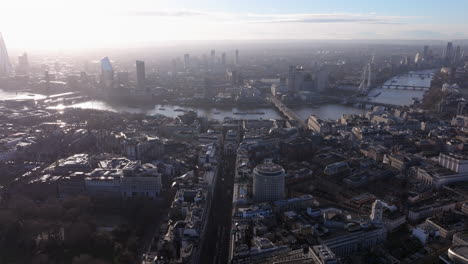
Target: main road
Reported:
point(215, 248)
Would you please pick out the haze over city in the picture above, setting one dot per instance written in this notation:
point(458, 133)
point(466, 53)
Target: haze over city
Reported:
point(60, 25)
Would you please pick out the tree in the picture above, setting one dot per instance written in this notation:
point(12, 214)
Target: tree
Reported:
point(87, 259)
point(103, 246)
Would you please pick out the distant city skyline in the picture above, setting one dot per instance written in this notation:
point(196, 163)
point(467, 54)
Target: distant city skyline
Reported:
point(54, 24)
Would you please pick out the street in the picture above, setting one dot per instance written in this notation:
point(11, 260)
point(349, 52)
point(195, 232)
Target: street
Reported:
point(216, 242)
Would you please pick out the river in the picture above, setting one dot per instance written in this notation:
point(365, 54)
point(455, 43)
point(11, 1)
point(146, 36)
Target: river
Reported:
point(403, 97)
point(8, 95)
point(325, 111)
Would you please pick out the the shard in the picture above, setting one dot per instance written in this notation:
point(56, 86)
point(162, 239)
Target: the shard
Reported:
point(5, 65)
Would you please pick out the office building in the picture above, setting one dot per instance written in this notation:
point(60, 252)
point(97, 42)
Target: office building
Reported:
point(321, 80)
point(122, 78)
point(457, 55)
point(212, 58)
point(223, 59)
point(236, 58)
point(426, 52)
point(295, 79)
point(321, 254)
point(418, 58)
point(107, 73)
point(186, 61)
point(141, 75)
point(454, 162)
point(268, 182)
point(23, 64)
point(448, 53)
point(301, 80)
point(5, 65)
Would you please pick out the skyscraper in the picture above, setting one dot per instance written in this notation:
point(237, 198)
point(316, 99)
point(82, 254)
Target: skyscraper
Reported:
point(5, 65)
point(212, 58)
point(141, 75)
point(426, 52)
point(291, 78)
point(107, 73)
point(297, 79)
point(186, 61)
point(236, 58)
point(23, 64)
point(223, 59)
point(321, 80)
point(448, 53)
point(457, 55)
point(418, 58)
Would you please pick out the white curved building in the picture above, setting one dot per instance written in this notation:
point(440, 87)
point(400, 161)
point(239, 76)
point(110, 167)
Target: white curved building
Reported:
point(458, 254)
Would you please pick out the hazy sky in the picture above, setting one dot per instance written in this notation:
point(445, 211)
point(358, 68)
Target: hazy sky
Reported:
point(62, 24)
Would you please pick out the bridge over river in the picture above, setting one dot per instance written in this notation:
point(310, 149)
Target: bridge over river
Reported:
point(290, 114)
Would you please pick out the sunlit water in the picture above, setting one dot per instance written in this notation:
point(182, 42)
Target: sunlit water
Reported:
point(326, 111)
point(7, 95)
point(403, 97)
point(175, 110)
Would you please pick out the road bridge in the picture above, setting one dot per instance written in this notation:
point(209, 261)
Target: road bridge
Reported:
point(405, 87)
point(288, 113)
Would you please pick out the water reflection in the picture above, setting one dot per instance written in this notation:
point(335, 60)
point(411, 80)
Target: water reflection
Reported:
point(7, 95)
point(327, 111)
point(403, 97)
point(175, 110)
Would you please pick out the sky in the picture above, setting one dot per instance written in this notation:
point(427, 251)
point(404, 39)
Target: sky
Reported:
point(83, 24)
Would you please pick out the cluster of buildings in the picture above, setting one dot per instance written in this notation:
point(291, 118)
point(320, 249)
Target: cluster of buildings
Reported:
point(326, 192)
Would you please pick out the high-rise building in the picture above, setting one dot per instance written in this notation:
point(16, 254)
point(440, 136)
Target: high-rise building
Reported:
point(141, 75)
point(107, 73)
point(418, 58)
point(122, 78)
point(321, 80)
point(291, 78)
point(448, 53)
point(5, 65)
point(186, 61)
point(268, 182)
point(212, 58)
point(223, 58)
point(426, 52)
point(236, 58)
point(23, 64)
point(301, 80)
point(457, 56)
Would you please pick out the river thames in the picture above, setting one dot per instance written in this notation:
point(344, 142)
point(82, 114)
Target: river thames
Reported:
point(324, 111)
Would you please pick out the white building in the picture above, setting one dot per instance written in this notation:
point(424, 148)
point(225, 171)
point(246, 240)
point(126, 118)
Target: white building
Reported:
point(454, 162)
point(451, 168)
